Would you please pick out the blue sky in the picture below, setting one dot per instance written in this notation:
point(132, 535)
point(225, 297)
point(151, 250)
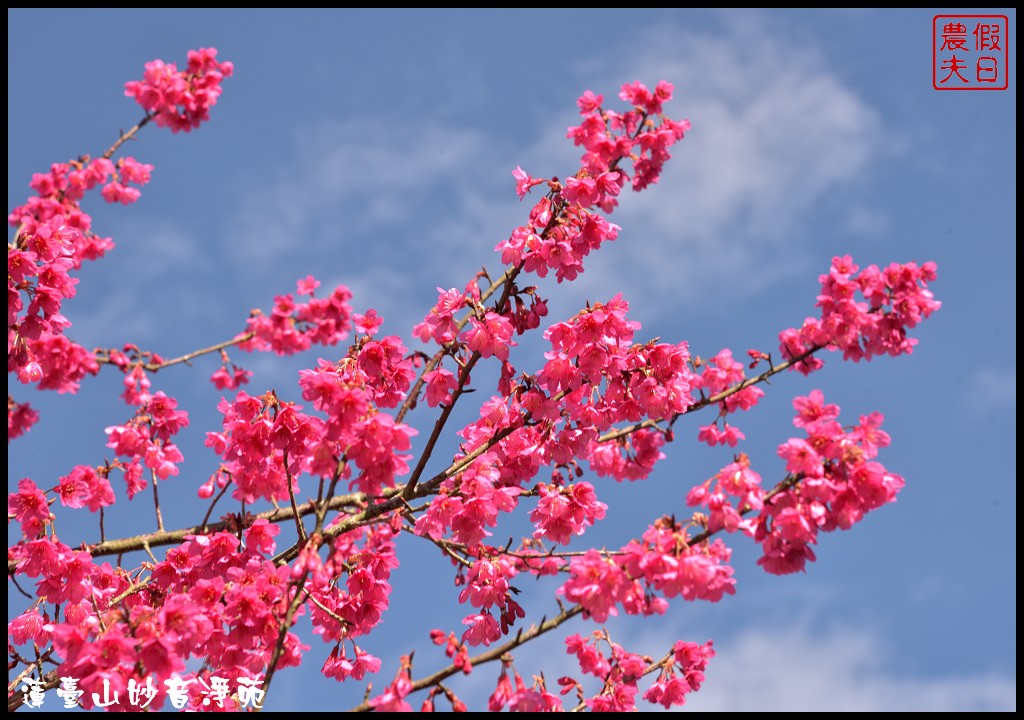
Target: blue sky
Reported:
point(374, 148)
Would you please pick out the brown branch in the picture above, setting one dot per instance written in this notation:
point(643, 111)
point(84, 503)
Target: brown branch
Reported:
point(300, 529)
point(172, 537)
point(126, 136)
point(186, 358)
point(286, 625)
point(509, 277)
point(321, 513)
point(442, 420)
point(509, 274)
point(535, 631)
point(131, 591)
point(522, 637)
point(716, 398)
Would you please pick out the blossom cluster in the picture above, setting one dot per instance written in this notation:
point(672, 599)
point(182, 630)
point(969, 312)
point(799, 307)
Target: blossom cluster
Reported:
point(562, 228)
point(840, 483)
point(181, 99)
point(293, 327)
point(834, 481)
point(213, 597)
point(53, 240)
point(894, 300)
point(54, 234)
point(514, 694)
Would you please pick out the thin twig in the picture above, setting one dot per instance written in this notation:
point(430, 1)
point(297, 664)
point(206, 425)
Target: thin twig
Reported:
point(126, 136)
point(209, 511)
point(299, 527)
point(131, 591)
point(173, 537)
point(522, 637)
point(330, 613)
point(103, 357)
point(716, 398)
point(286, 625)
point(156, 504)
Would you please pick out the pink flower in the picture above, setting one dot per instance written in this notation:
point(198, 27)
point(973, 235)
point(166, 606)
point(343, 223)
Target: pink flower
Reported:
point(181, 100)
point(224, 380)
point(307, 285)
point(20, 418)
point(711, 435)
point(368, 323)
point(340, 667)
point(115, 192)
point(53, 239)
point(812, 408)
point(260, 535)
point(589, 102)
point(490, 336)
point(524, 182)
point(800, 457)
point(133, 171)
point(563, 512)
point(29, 507)
point(27, 626)
point(591, 660)
point(869, 434)
point(440, 385)
point(30, 372)
point(393, 698)
point(483, 629)
point(596, 584)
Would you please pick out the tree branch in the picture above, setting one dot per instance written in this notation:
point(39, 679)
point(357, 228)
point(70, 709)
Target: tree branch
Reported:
point(395, 498)
point(104, 359)
point(126, 136)
point(522, 637)
point(171, 537)
point(535, 631)
point(718, 397)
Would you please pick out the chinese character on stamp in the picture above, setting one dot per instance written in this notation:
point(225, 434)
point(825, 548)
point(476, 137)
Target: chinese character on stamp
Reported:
point(970, 52)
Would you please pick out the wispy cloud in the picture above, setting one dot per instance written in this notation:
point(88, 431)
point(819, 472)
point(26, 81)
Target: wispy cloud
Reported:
point(776, 133)
point(390, 211)
point(841, 669)
point(790, 667)
point(415, 204)
point(991, 389)
point(153, 250)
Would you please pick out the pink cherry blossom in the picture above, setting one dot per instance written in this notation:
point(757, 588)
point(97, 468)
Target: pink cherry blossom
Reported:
point(491, 336)
point(29, 508)
point(181, 100)
point(524, 182)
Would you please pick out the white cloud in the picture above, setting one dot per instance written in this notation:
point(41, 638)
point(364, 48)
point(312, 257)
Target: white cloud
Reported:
point(148, 255)
point(784, 667)
point(991, 389)
point(775, 133)
point(842, 669)
point(348, 183)
point(391, 212)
